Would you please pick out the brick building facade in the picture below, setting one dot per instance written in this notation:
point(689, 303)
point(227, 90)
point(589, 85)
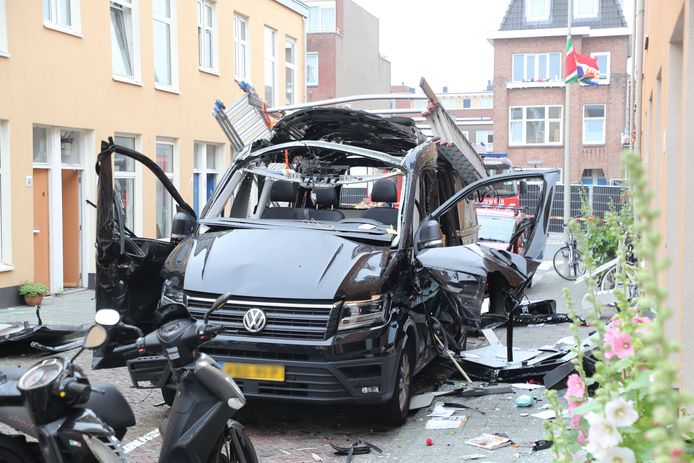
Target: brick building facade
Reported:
point(342, 51)
point(529, 90)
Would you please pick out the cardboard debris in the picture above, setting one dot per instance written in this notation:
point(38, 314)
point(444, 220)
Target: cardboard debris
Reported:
point(545, 415)
point(450, 422)
point(489, 441)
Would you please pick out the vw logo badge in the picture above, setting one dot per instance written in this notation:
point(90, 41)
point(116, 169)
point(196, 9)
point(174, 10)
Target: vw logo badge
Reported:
point(254, 320)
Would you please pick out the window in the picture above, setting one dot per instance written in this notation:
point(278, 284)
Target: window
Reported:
point(537, 10)
point(486, 139)
point(593, 124)
point(270, 66)
point(290, 70)
point(466, 102)
point(603, 59)
point(486, 102)
point(242, 53)
point(321, 17)
point(207, 40)
point(586, 9)
point(70, 148)
point(312, 69)
point(207, 161)
point(3, 29)
point(535, 125)
point(124, 179)
point(63, 15)
point(40, 137)
point(165, 160)
point(125, 40)
point(164, 41)
point(448, 103)
point(536, 67)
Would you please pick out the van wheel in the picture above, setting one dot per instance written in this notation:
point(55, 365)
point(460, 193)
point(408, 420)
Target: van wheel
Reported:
point(15, 450)
point(394, 412)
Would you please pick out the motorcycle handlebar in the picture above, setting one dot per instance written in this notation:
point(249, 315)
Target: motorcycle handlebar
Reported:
point(77, 388)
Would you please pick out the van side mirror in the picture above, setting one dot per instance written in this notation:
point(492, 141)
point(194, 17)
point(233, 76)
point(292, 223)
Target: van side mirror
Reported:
point(523, 188)
point(182, 227)
point(428, 235)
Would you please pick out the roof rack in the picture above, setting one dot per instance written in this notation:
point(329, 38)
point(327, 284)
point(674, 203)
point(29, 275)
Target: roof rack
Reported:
point(248, 120)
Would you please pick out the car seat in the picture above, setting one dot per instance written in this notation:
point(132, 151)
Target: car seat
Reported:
point(384, 191)
point(326, 197)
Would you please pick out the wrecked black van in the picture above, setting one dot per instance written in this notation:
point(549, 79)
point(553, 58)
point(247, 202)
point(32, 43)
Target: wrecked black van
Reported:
point(347, 240)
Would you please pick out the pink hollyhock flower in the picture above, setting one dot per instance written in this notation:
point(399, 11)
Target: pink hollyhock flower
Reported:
point(644, 322)
point(582, 436)
point(622, 346)
point(576, 386)
point(575, 421)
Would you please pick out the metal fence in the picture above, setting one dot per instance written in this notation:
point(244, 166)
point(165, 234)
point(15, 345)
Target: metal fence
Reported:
point(599, 198)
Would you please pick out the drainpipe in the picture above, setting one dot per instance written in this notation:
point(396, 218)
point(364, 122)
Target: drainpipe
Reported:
point(638, 74)
point(567, 136)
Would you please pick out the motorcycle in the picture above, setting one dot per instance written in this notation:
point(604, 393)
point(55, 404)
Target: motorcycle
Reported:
point(57, 395)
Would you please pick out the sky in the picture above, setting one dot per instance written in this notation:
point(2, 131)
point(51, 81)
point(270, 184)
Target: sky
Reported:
point(443, 40)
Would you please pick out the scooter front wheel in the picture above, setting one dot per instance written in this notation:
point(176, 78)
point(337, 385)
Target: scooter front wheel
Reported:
point(16, 450)
point(234, 446)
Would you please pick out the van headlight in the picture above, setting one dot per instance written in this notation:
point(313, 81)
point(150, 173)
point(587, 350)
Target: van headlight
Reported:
point(171, 294)
point(362, 313)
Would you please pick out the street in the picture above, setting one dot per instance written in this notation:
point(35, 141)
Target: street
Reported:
point(291, 432)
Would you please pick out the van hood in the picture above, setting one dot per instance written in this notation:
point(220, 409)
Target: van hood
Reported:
point(282, 264)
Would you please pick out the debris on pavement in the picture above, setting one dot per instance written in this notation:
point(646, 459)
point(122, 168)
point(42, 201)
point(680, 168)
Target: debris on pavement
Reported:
point(459, 405)
point(429, 442)
point(524, 401)
point(542, 445)
point(489, 441)
point(473, 456)
point(545, 415)
point(424, 400)
point(450, 422)
point(527, 386)
point(316, 457)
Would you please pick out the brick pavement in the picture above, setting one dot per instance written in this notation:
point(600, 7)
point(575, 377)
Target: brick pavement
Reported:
point(286, 432)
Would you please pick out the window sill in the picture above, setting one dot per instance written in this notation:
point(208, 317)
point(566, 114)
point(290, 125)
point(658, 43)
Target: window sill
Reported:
point(6, 267)
point(167, 88)
point(596, 144)
point(127, 80)
point(548, 84)
point(209, 71)
point(5, 54)
point(63, 29)
point(536, 145)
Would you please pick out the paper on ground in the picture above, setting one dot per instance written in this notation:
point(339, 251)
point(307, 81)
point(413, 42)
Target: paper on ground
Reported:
point(452, 422)
point(545, 415)
point(527, 386)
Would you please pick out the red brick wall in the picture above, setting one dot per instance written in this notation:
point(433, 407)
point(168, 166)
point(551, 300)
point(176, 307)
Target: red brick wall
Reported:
point(324, 45)
point(607, 156)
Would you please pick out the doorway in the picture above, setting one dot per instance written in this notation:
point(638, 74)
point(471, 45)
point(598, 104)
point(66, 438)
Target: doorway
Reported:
point(71, 228)
point(42, 257)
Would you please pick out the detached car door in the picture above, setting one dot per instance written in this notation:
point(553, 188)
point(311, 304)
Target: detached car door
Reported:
point(128, 267)
point(464, 271)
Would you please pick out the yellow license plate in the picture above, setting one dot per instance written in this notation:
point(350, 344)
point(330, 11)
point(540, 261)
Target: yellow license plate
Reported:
point(254, 371)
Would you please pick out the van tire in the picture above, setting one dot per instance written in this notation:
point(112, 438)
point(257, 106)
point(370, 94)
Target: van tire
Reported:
point(394, 412)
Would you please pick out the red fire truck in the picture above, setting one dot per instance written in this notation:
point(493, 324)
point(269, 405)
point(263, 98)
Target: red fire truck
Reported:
point(506, 194)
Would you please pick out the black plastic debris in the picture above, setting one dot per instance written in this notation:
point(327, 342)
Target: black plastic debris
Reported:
point(360, 447)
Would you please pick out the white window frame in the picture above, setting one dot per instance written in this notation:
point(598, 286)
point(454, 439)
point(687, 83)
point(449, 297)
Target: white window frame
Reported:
point(321, 28)
point(545, 17)
point(489, 146)
point(240, 43)
point(202, 28)
point(4, 48)
point(316, 82)
point(172, 22)
point(596, 9)
point(173, 176)
point(51, 22)
point(5, 199)
point(290, 69)
point(136, 175)
point(200, 148)
point(603, 72)
point(272, 61)
point(536, 66)
point(604, 123)
point(546, 120)
point(136, 77)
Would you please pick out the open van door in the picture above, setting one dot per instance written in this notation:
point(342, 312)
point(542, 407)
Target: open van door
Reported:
point(128, 267)
point(465, 271)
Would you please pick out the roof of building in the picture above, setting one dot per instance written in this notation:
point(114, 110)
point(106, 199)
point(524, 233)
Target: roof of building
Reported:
point(610, 15)
point(296, 6)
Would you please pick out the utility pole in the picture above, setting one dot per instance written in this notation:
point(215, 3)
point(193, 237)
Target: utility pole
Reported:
point(567, 132)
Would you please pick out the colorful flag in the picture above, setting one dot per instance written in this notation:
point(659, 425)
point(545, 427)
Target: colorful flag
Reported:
point(580, 68)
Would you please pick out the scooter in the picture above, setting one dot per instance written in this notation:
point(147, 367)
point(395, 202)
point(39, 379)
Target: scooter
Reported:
point(199, 427)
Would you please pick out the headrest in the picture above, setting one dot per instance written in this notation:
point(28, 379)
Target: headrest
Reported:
point(326, 197)
point(283, 190)
point(384, 191)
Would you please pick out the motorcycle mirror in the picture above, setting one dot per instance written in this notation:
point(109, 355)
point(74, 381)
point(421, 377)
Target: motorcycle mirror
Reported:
point(107, 317)
point(96, 337)
point(217, 304)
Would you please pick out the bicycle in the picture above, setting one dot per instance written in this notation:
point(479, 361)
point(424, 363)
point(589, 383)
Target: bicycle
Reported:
point(568, 262)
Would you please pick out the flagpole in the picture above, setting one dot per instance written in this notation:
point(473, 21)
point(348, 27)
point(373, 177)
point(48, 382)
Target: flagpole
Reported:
point(567, 137)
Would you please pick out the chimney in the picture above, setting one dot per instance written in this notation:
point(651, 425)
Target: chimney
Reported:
point(445, 89)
